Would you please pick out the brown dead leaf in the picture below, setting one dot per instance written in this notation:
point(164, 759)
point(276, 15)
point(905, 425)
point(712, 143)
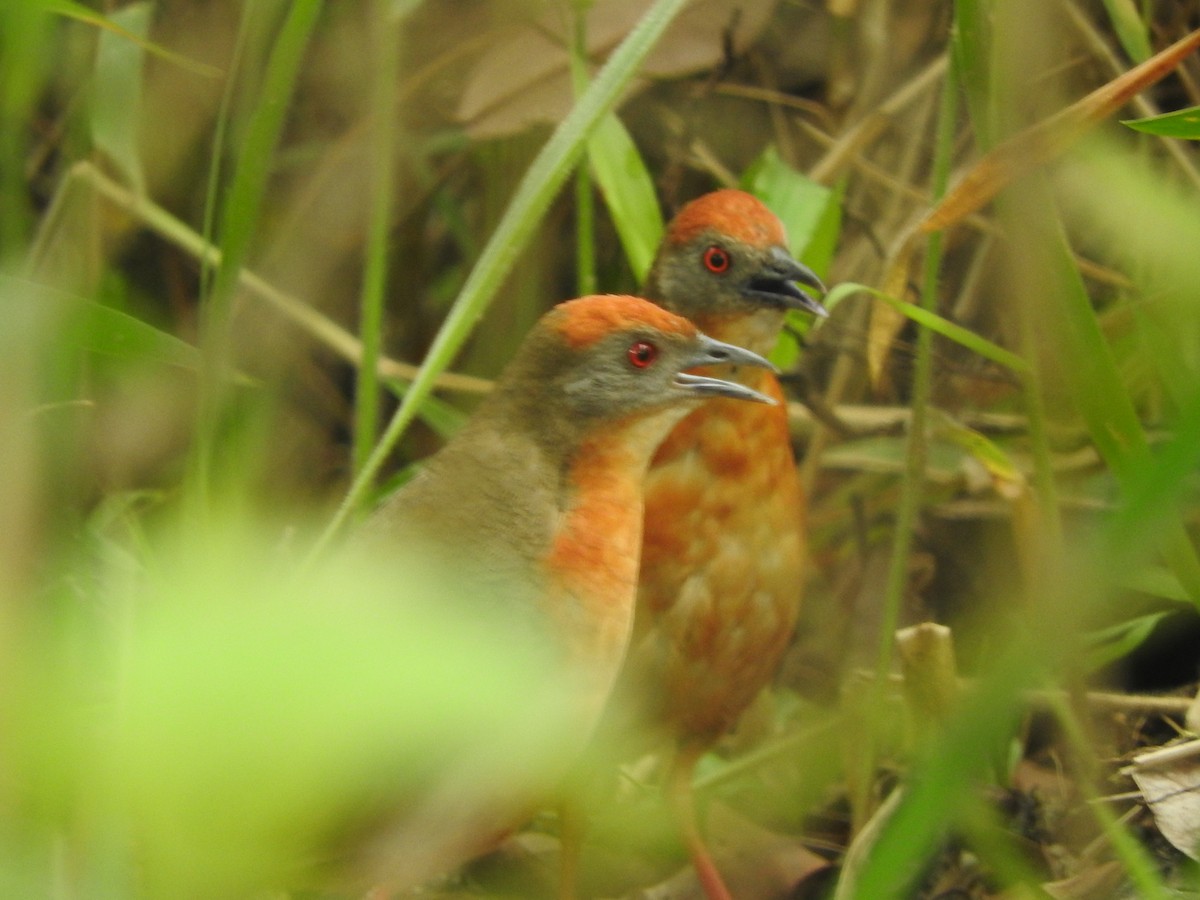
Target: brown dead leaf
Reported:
point(1170, 784)
point(524, 78)
point(1049, 138)
point(886, 322)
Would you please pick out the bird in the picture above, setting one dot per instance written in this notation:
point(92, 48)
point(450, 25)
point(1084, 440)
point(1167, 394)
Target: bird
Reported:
point(536, 506)
point(723, 546)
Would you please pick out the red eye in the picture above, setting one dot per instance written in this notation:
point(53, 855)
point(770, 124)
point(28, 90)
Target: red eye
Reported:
point(642, 354)
point(716, 260)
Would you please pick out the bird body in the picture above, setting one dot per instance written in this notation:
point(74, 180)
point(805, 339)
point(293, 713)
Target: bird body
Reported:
point(723, 548)
point(718, 601)
point(535, 508)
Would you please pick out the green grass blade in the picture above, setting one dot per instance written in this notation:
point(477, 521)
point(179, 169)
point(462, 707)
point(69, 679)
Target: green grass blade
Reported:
point(374, 288)
point(533, 195)
point(26, 51)
point(585, 201)
point(936, 324)
point(1130, 29)
point(239, 217)
point(240, 213)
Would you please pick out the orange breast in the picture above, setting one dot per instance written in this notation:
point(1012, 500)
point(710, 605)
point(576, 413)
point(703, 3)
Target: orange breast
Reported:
point(593, 565)
point(722, 562)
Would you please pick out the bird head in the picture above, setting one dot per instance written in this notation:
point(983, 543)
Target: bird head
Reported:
point(725, 255)
point(613, 357)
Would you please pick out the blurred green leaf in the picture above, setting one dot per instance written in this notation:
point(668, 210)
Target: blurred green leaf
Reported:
point(1157, 582)
point(1183, 123)
point(240, 721)
point(1092, 376)
point(102, 329)
point(117, 92)
point(628, 192)
point(114, 333)
point(1110, 644)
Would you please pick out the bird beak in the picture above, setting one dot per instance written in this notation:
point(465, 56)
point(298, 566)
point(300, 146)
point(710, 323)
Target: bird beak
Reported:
point(718, 353)
point(775, 283)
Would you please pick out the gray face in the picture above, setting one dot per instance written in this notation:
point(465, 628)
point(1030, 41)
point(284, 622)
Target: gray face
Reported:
point(643, 369)
point(714, 275)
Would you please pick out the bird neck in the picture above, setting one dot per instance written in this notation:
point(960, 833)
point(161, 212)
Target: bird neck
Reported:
point(757, 331)
point(593, 563)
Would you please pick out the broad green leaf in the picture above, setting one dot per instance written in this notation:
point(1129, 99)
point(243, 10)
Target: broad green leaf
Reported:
point(1183, 123)
point(812, 216)
point(802, 204)
point(628, 192)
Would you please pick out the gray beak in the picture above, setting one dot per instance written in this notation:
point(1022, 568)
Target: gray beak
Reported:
point(718, 353)
point(775, 283)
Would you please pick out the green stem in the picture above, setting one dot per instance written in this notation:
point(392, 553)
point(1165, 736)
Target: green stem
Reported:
point(585, 206)
point(239, 219)
point(374, 289)
point(912, 489)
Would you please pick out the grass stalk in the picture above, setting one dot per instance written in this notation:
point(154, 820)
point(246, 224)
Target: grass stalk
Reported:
point(912, 487)
point(239, 219)
point(374, 288)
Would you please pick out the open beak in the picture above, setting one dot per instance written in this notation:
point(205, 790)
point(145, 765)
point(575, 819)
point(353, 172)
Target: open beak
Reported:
point(775, 283)
point(718, 353)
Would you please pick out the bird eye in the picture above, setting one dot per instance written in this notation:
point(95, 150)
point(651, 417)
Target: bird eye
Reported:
point(642, 354)
point(716, 260)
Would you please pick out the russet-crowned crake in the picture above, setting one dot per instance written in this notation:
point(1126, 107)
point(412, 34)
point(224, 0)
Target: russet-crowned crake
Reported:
point(536, 507)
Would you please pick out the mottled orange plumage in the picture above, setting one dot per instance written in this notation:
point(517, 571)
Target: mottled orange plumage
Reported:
point(723, 544)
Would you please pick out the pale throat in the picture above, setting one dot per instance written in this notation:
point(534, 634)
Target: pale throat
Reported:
point(757, 332)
